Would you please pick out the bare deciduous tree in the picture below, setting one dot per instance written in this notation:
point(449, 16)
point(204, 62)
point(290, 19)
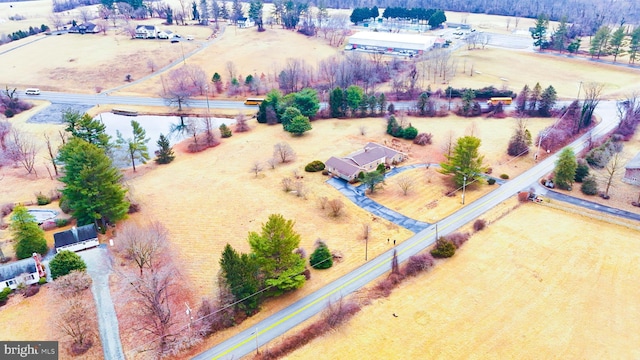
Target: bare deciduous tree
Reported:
point(449, 143)
point(151, 65)
point(142, 244)
point(335, 207)
point(300, 189)
point(52, 153)
point(283, 152)
point(256, 168)
point(72, 284)
point(613, 167)
point(406, 183)
point(363, 130)
point(179, 88)
point(272, 162)
point(231, 69)
point(287, 184)
point(85, 14)
point(366, 231)
point(22, 149)
point(73, 320)
point(322, 202)
point(241, 123)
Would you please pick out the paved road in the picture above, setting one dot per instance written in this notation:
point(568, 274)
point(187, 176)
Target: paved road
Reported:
point(246, 341)
point(99, 270)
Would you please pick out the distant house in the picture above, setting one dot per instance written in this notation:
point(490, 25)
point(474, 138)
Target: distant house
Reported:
point(365, 160)
point(26, 271)
point(244, 22)
point(146, 32)
point(85, 28)
point(165, 34)
point(76, 239)
point(632, 171)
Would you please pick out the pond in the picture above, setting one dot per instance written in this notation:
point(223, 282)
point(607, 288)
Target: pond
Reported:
point(154, 126)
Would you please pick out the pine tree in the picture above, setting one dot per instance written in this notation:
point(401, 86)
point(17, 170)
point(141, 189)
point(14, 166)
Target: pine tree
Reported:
point(616, 43)
point(534, 97)
point(136, 147)
point(321, 257)
point(547, 101)
point(599, 42)
point(93, 186)
point(634, 45)
point(521, 100)
point(273, 250)
point(85, 127)
point(27, 235)
point(164, 154)
point(225, 132)
point(539, 31)
point(560, 35)
point(565, 170)
point(240, 272)
point(465, 162)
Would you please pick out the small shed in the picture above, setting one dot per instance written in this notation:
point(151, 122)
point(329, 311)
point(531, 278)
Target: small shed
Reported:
point(76, 239)
point(632, 171)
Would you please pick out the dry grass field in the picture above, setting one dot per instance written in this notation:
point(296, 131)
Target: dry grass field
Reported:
point(519, 290)
point(212, 198)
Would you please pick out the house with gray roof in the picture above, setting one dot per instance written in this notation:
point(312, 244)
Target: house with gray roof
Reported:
point(632, 171)
point(364, 160)
point(76, 239)
point(146, 32)
point(27, 271)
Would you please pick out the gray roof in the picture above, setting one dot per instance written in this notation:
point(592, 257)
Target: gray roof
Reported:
point(367, 156)
point(75, 235)
point(344, 167)
point(11, 270)
point(146, 27)
point(634, 163)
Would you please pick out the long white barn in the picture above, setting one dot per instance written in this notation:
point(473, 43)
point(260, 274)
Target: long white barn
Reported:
point(389, 42)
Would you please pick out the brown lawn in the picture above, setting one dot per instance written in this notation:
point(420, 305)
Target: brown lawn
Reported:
point(516, 290)
point(209, 199)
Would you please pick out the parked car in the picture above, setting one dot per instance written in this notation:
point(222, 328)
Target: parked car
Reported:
point(175, 39)
point(32, 91)
point(190, 37)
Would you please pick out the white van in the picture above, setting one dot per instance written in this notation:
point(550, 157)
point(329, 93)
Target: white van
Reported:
point(32, 91)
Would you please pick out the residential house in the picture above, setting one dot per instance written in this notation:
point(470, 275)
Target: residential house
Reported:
point(146, 32)
point(364, 160)
point(26, 271)
point(86, 28)
point(76, 239)
point(632, 171)
point(244, 22)
point(165, 34)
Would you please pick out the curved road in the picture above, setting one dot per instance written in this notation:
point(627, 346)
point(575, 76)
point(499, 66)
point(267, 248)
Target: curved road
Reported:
point(270, 328)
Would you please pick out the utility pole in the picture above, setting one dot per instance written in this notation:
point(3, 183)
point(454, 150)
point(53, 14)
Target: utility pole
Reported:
point(464, 187)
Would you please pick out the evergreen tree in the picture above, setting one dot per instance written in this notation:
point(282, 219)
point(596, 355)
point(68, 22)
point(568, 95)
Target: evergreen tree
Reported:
point(236, 12)
point(560, 36)
point(634, 45)
point(437, 19)
point(273, 251)
point(93, 186)
point(28, 237)
point(534, 97)
point(164, 154)
point(539, 32)
point(136, 147)
point(423, 99)
point(65, 262)
point(273, 100)
point(574, 46)
point(599, 42)
point(382, 103)
point(336, 103)
point(547, 101)
point(194, 11)
point(224, 11)
point(521, 100)
point(321, 257)
point(240, 272)
point(298, 125)
point(354, 96)
point(565, 170)
point(288, 115)
point(465, 161)
point(616, 43)
point(371, 180)
point(225, 132)
point(255, 13)
point(84, 127)
point(467, 101)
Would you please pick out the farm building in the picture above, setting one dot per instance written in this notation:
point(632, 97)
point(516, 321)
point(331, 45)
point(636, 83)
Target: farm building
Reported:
point(632, 171)
point(391, 42)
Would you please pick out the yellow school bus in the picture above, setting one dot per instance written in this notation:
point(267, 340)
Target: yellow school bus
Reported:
point(496, 100)
point(253, 101)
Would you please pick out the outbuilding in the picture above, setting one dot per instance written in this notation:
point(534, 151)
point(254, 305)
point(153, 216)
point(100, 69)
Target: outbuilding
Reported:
point(391, 42)
point(632, 171)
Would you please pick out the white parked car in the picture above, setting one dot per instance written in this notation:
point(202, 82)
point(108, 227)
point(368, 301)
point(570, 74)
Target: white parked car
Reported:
point(190, 37)
point(32, 91)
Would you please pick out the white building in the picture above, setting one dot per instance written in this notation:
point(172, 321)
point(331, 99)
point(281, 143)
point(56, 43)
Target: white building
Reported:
point(27, 271)
point(76, 239)
point(391, 42)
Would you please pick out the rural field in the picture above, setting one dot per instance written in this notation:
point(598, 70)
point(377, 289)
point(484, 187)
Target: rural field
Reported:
point(561, 289)
point(522, 288)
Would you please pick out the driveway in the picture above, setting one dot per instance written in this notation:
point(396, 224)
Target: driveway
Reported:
point(585, 203)
point(98, 267)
